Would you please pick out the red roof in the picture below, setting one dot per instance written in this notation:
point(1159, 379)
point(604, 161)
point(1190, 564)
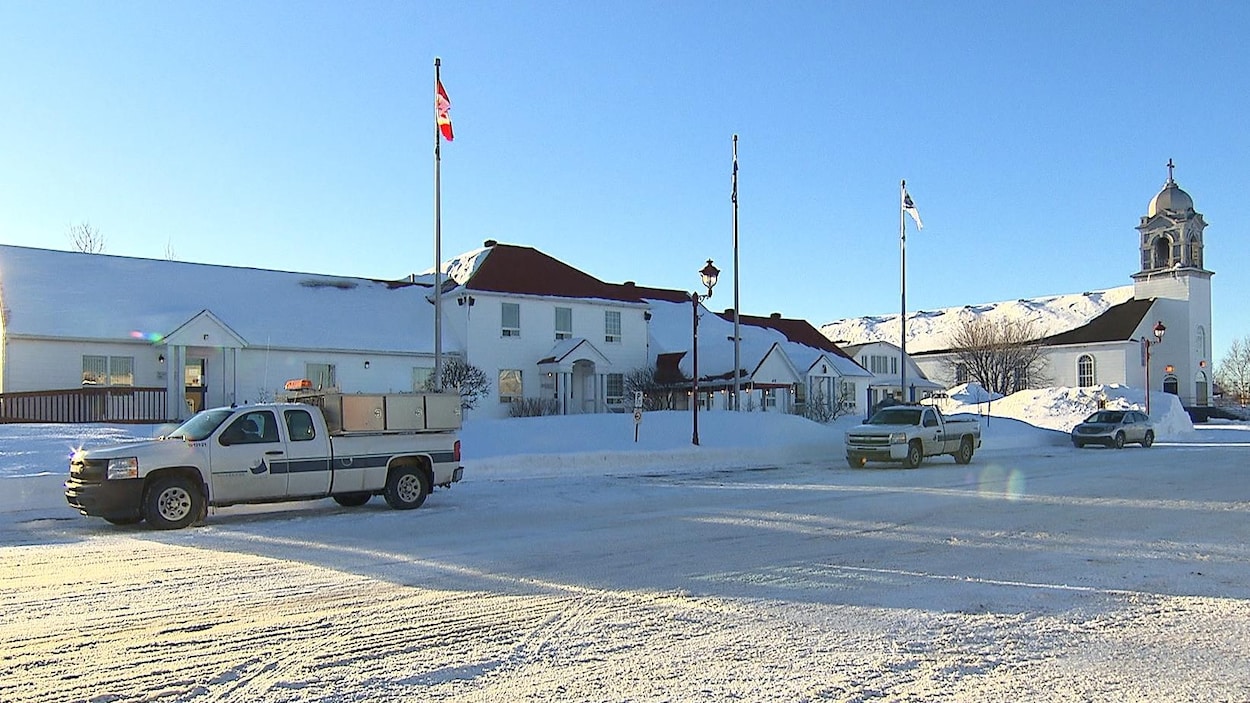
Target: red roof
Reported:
point(526, 271)
point(509, 268)
point(798, 331)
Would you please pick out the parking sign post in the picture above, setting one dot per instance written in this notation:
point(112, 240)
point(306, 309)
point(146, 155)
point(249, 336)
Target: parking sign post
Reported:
point(637, 413)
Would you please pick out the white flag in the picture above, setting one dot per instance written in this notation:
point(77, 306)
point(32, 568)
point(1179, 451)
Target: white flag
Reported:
point(910, 208)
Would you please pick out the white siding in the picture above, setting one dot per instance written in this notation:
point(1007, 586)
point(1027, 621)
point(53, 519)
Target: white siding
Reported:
point(488, 350)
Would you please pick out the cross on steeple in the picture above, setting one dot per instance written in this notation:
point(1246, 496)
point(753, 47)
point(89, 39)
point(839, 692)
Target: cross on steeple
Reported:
point(1170, 167)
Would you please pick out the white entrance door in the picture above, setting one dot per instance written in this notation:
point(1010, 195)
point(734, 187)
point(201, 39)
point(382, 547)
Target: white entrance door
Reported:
point(583, 387)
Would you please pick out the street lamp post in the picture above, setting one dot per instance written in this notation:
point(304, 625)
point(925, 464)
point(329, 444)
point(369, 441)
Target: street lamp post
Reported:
point(708, 274)
point(1159, 329)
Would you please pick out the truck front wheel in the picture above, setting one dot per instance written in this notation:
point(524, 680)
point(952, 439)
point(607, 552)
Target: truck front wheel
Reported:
point(172, 502)
point(964, 454)
point(914, 456)
point(406, 488)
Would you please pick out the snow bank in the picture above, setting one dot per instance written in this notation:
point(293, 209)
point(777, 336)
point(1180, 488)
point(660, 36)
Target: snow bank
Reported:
point(1063, 408)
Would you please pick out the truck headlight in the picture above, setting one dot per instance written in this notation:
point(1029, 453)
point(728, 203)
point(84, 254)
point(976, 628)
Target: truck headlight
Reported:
point(898, 438)
point(126, 467)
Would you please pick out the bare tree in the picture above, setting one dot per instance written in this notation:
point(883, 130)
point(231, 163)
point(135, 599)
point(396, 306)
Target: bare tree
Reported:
point(642, 379)
point(1003, 355)
point(86, 238)
point(1233, 373)
point(468, 380)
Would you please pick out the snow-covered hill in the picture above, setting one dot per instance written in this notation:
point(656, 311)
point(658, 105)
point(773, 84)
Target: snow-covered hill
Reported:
point(929, 330)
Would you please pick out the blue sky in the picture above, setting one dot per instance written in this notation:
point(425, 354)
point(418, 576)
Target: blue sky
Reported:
point(299, 136)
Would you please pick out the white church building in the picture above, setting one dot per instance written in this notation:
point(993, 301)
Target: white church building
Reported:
point(1097, 337)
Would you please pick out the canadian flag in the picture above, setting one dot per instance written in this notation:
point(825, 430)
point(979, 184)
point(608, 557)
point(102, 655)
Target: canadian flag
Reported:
point(442, 106)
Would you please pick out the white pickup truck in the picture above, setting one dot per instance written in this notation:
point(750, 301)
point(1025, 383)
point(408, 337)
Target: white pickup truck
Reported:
point(347, 447)
point(909, 433)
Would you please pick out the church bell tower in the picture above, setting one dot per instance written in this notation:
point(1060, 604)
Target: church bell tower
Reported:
point(1173, 273)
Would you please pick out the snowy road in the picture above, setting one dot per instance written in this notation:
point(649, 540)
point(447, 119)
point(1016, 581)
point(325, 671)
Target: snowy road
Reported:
point(1060, 575)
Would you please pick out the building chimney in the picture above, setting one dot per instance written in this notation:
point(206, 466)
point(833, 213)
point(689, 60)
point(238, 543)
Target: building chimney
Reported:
point(489, 243)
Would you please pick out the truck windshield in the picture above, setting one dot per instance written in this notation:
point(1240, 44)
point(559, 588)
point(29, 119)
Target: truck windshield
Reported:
point(201, 425)
point(896, 416)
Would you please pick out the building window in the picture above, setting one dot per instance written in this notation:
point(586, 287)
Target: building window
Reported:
point(1200, 342)
point(770, 398)
point(510, 388)
point(422, 377)
point(611, 325)
point(1085, 375)
point(880, 363)
point(95, 370)
point(321, 375)
point(121, 371)
point(1019, 376)
point(564, 323)
point(511, 326)
point(961, 374)
point(99, 370)
point(616, 388)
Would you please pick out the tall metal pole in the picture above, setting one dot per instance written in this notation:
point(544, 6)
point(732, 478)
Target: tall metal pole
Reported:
point(737, 335)
point(438, 237)
point(1147, 343)
point(694, 403)
point(902, 318)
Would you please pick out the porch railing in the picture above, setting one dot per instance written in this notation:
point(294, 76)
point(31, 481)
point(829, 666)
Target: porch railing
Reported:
point(116, 404)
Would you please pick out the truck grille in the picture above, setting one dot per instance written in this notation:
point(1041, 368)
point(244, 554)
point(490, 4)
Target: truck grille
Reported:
point(868, 440)
point(88, 471)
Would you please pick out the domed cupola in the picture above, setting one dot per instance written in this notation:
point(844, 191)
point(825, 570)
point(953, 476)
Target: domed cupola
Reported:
point(1171, 231)
point(1171, 198)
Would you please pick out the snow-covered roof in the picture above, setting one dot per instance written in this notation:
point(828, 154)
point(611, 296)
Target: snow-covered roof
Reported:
point(60, 294)
point(932, 330)
point(518, 270)
point(670, 330)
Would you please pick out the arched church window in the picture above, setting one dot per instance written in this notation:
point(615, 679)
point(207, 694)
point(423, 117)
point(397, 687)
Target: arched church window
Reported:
point(1162, 252)
point(1085, 374)
point(1200, 342)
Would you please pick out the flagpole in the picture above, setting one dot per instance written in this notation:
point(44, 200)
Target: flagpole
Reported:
point(737, 401)
point(438, 238)
point(902, 238)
